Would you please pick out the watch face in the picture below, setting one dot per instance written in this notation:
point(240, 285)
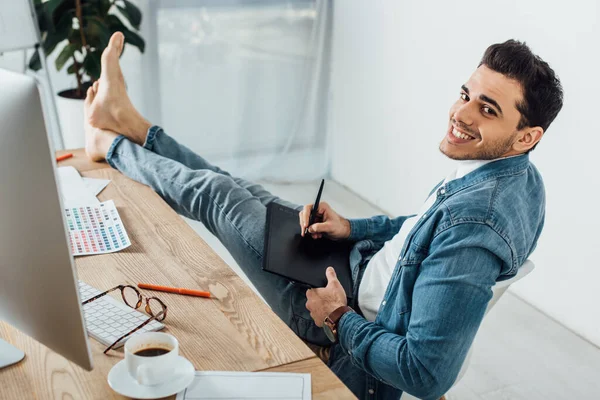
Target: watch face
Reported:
point(329, 333)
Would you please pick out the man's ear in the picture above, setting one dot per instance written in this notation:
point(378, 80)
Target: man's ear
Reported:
point(527, 138)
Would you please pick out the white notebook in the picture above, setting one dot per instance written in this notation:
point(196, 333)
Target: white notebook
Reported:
point(216, 385)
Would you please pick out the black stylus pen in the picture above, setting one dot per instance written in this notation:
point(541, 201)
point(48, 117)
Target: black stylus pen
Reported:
point(315, 208)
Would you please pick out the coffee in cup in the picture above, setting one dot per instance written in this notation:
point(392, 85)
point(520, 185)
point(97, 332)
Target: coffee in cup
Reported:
point(151, 357)
point(152, 352)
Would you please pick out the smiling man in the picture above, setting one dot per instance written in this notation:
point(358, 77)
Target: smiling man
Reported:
point(421, 283)
point(493, 116)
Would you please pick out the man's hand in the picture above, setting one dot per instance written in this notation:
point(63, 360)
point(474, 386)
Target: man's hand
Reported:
point(323, 301)
point(330, 223)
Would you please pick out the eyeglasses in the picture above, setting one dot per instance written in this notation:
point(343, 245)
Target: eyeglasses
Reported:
point(134, 299)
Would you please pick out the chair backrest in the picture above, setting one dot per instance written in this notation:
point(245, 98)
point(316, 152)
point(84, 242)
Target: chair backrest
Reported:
point(498, 290)
point(500, 287)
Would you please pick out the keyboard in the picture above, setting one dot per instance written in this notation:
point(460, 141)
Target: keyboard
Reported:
point(107, 319)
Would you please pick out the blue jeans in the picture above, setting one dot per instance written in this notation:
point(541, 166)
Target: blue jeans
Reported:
point(232, 209)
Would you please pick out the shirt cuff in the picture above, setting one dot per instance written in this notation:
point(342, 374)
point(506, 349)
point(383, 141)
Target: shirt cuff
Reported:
point(358, 229)
point(348, 325)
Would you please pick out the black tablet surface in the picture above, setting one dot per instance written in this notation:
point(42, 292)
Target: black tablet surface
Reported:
point(303, 259)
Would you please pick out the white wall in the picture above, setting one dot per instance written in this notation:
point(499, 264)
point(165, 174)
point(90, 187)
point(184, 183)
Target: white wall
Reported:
point(397, 68)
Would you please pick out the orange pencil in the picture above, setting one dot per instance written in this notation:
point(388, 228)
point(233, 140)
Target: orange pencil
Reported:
point(189, 292)
point(64, 157)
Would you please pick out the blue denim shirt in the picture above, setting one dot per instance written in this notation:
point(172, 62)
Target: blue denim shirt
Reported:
point(480, 230)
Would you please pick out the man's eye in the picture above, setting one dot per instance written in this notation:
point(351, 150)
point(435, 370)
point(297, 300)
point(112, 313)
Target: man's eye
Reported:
point(488, 110)
point(464, 96)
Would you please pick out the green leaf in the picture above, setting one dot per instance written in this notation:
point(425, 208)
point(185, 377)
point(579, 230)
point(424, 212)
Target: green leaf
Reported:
point(132, 13)
point(75, 39)
point(65, 23)
point(92, 65)
point(97, 32)
point(51, 40)
point(66, 53)
point(35, 62)
point(134, 39)
point(52, 5)
point(125, 14)
point(105, 6)
point(55, 9)
point(115, 24)
point(71, 69)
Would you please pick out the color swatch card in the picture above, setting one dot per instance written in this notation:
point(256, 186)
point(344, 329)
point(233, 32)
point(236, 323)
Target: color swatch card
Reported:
point(96, 229)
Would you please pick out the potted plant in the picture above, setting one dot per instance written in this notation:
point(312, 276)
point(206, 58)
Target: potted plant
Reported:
point(81, 29)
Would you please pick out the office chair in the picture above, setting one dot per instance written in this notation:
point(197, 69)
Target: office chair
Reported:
point(498, 290)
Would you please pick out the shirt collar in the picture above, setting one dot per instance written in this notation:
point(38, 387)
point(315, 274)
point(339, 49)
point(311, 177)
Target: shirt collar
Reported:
point(464, 167)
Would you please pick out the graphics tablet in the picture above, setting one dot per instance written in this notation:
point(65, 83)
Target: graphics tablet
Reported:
point(302, 259)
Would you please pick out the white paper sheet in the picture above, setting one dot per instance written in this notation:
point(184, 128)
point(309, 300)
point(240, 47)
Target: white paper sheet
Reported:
point(215, 385)
point(73, 190)
point(95, 185)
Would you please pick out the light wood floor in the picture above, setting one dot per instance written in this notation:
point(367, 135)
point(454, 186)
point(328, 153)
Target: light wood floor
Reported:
point(519, 353)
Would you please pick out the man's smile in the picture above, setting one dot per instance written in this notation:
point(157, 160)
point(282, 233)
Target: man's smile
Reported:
point(456, 136)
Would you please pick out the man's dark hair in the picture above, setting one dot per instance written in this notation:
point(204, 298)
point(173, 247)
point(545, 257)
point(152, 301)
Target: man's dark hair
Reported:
point(542, 91)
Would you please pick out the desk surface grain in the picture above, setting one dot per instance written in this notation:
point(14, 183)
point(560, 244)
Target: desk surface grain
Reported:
point(79, 161)
point(234, 330)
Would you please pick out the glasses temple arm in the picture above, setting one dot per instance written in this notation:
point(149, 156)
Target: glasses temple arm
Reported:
point(134, 330)
point(96, 297)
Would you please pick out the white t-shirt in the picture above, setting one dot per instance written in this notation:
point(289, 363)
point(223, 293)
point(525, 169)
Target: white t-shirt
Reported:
point(380, 268)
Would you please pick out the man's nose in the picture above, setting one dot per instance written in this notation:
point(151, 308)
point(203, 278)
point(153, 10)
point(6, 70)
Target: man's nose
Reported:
point(464, 114)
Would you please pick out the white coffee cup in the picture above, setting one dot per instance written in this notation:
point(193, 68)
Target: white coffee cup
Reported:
point(152, 370)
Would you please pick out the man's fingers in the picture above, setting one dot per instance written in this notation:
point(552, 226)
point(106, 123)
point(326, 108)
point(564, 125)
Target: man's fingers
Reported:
point(302, 226)
point(320, 227)
point(331, 275)
point(304, 217)
point(323, 206)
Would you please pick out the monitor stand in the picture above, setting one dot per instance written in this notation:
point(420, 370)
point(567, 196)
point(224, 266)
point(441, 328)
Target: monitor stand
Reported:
point(9, 354)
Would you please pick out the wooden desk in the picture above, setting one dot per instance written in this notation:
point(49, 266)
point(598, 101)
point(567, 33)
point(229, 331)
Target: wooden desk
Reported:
point(234, 330)
point(80, 161)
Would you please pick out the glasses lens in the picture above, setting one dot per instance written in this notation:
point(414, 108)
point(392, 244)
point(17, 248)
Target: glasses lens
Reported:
point(156, 307)
point(130, 296)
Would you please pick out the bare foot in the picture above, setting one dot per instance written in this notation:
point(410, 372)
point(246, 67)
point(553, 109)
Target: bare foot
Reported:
point(97, 141)
point(112, 109)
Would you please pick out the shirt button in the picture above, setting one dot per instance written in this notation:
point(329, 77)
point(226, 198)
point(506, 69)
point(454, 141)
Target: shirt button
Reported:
point(383, 303)
point(424, 215)
point(371, 391)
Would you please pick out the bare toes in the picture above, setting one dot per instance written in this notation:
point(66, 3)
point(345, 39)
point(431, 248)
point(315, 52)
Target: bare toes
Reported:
point(114, 48)
point(89, 97)
point(117, 40)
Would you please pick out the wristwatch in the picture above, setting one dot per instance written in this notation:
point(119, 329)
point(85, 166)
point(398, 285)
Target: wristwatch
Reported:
point(331, 322)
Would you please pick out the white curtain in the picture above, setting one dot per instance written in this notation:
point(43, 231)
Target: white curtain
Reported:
point(243, 83)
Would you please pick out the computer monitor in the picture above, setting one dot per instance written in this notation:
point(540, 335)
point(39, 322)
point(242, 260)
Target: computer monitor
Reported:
point(38, 285)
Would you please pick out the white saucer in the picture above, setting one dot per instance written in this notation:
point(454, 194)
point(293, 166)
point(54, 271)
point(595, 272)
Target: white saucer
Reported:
point(121, 382)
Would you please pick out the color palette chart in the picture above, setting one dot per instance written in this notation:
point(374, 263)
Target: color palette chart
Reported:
point(96, 229)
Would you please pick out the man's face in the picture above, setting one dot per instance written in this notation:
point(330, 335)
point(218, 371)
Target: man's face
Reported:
point(484, 117)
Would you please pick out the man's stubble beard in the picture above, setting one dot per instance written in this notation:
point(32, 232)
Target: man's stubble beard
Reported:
point(493, 151)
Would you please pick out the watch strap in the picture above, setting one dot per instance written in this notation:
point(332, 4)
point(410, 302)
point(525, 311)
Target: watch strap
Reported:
point(335, 316)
